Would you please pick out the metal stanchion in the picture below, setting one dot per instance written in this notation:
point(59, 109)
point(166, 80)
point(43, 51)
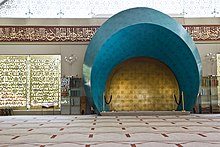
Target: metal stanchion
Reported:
point(103, 102)
point(183, 107)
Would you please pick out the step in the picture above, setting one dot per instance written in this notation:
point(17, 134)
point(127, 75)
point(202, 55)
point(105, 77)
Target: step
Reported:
point(147, 113)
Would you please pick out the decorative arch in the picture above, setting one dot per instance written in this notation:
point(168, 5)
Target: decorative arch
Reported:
point(141, 32)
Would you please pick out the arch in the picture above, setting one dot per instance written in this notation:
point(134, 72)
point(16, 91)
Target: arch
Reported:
point(137, 85)
point(141, 32)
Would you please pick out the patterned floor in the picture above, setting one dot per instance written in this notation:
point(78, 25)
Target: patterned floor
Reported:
point(110, 131)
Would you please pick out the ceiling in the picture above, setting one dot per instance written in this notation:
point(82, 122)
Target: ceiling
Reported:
point(104, 8)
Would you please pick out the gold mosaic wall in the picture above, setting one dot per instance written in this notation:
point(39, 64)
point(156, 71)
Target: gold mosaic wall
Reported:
point(142, 84)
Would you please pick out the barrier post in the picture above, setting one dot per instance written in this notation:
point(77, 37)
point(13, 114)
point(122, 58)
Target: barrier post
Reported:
point(103, 102)
point(183, 107)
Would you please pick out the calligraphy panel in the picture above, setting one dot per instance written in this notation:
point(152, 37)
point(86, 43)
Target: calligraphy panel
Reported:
point(13, 81)
point(46, 33)
point(85, 33)
point(204, 32)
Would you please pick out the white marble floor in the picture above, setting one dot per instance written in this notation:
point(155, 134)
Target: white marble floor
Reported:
point(110, 131)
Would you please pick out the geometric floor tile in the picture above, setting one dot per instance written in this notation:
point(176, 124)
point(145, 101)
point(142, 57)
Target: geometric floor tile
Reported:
point(107, 131)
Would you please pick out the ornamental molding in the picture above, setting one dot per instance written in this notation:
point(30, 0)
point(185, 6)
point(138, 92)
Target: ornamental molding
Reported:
point(85, 33)
point(204, 32)
point(47, 33)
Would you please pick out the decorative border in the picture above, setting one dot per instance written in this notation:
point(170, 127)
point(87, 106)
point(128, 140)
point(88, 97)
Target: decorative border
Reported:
point(85, 33)
point(47, 33)
point(204, 32)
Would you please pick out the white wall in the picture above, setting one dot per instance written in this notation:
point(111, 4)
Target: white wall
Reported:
point(209, 68)
point(201, 21)
point(205, 47)
point(79, 49)
point(63, 50)
point(76, 67)
point(51, 21)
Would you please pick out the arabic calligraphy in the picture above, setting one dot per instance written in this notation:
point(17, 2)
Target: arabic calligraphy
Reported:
point(85, 33)
point(204, 32)
point(46, 33)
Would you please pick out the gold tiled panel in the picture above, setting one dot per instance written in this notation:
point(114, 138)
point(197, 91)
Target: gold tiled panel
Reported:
point(142, 84)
